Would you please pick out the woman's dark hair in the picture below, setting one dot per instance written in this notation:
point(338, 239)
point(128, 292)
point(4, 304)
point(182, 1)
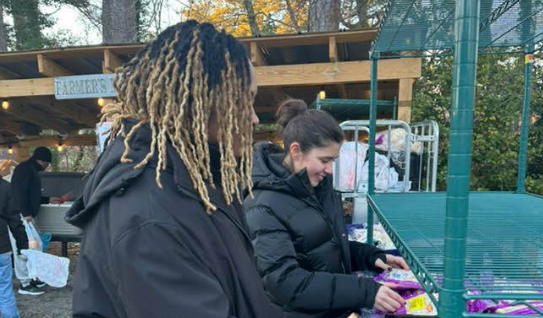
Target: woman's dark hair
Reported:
point(188, 73)
point(311, 128)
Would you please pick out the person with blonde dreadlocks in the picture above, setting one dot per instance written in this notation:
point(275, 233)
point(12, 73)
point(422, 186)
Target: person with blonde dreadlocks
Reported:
point(164, 231)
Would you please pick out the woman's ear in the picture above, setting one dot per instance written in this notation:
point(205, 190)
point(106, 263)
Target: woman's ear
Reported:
point(295, 151)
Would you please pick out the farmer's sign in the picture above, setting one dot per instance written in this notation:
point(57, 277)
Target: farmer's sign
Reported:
point(84, 86)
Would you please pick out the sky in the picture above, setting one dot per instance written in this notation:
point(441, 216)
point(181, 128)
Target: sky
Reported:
point(69, 20)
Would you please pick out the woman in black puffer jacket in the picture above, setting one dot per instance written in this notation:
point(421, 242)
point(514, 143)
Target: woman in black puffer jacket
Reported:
point(297, 227)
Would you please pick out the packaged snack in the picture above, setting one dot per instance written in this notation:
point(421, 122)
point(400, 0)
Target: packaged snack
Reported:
point(403, 278)
point(521, 310)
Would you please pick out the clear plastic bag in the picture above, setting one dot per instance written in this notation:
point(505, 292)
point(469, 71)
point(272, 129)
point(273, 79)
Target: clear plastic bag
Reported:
point(34, 238)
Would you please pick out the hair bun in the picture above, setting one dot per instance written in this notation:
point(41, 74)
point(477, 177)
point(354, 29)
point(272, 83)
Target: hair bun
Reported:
point(290, 109)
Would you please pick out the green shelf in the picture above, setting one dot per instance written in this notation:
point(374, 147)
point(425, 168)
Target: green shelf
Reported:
point(346, 109)
point(504, 240)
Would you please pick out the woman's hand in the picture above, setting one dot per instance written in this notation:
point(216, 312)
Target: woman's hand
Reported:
point(387, 300)
point(392, 262)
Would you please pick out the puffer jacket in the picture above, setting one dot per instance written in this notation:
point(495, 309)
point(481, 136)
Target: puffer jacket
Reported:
point(151, 252)
point(303, 253)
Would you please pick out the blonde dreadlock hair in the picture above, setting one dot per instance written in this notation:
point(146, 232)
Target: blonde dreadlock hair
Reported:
point(189, 74)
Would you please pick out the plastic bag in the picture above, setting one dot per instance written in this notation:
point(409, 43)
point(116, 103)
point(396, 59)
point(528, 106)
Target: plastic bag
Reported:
point(397, 141)
point(46, 239)
point(50, 269)
point(385, 177)
point(19, 263)
point(34, 238)
point(404, 279)
point(347, 161)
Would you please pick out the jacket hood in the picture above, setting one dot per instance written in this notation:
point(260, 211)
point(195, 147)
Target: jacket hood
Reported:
point(270, 174)
point(110, 175)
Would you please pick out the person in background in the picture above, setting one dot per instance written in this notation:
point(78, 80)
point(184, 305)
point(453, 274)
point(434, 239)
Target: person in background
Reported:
point(164, 229)
point(26, 183)
point(27, 191)
point(296, 221)
point(10, 220)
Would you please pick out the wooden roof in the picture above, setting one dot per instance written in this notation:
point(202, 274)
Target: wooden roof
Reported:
point(287, 65)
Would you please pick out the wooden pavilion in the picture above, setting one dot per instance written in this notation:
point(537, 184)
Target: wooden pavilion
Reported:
point(298, 66)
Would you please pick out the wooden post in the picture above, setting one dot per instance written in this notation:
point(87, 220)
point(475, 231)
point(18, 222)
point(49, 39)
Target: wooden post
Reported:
point(50, 68)
point(405, 97)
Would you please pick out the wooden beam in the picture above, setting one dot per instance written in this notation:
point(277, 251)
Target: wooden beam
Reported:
point(280, 75)
point(10, 126)
point(332, 49)
point(74, 111)
point(27, 87)
point(257, 58)
point(52, 141)
point(50, 68)
point(42, 119)
point(405, 96)
point(334, 58)
point(111, 62)
point(335, 73)
point(312, 38)
point(6, 73)
point(131, 49)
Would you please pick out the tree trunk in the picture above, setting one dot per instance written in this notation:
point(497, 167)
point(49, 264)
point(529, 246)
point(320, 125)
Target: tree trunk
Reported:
point(293, 17)
point(3, 33)
point(27, 23)
point(324, 15)
point(119, 21)
point(251, 17)
point(362, 12)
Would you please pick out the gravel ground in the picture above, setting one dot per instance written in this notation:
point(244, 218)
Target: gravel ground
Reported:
point(56, 302)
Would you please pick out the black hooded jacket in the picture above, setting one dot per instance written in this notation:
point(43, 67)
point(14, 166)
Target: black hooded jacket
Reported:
point(10, 218)
point(151, 252)
point(26, 187)
point(303, 253)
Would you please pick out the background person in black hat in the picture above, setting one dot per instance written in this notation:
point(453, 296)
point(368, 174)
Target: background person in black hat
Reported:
point(26, 183)
point(26, 189)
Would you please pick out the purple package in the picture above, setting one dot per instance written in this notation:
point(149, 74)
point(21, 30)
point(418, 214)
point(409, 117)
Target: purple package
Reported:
point(402, 278)
point(521, 310)
point(380, 140)
point(481, 305)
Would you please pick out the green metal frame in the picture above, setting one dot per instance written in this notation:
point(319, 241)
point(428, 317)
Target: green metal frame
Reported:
point(423, 247)
point(347, 104)
point(467, 27)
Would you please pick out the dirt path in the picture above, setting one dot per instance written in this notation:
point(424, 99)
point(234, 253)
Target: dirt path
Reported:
point(56, 302)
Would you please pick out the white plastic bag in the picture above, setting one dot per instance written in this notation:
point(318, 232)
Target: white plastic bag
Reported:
point(50, 269)
point(20, 265)
point(34, 239)
point(349, 161)
point(397, 141)
point(385, 177)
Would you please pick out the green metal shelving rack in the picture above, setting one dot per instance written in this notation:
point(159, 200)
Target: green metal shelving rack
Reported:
point(458, 240)
point(344, 109)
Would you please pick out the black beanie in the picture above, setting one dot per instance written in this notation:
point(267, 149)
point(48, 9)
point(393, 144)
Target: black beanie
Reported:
point(43, 154)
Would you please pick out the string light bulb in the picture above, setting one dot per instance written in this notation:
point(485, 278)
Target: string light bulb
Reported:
point(101, 102)
point(5, 104)
point(10, 150)
point(322, 94)
point(60, 147)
